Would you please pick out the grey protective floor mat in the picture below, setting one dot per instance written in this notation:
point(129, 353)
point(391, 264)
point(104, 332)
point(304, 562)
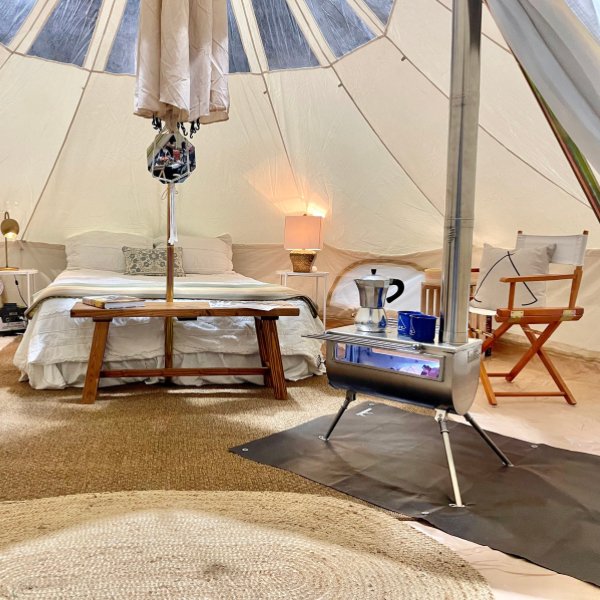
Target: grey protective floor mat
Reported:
point(545, 509)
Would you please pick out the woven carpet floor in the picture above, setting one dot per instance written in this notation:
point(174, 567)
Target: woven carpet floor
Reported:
point(141, 437)
point(60, 461)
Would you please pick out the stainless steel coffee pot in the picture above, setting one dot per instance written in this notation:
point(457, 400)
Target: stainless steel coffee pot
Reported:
point(372, 291)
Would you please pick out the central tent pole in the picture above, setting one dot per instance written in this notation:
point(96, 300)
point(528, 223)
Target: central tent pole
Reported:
point(169, 296)
point(462, 163)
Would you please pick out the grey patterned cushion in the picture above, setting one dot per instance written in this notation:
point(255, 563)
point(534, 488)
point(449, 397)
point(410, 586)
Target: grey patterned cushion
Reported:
point(151, 261)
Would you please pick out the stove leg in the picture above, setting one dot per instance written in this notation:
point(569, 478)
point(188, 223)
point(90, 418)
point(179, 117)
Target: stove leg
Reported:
point(441, 416)
point(488, 440)
point(350, 397)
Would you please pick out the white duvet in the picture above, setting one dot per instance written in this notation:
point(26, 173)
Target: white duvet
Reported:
point(55, 348)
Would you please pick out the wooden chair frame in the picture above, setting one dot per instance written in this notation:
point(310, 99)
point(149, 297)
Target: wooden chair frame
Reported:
point(551, 317)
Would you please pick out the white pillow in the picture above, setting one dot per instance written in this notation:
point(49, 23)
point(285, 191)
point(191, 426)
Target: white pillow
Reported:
point(102, 250)
point(491, 293)
point(204, 255)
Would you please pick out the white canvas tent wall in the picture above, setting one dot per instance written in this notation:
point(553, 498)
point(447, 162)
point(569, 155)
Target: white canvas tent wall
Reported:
point(339, 107)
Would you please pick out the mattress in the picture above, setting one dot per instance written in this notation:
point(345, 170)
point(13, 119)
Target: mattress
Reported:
point(55, 348)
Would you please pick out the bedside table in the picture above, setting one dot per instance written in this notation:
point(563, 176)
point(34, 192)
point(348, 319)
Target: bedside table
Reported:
point(29, 275)
point(317, 276)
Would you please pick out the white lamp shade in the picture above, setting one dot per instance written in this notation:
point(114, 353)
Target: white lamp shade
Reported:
point(303, 233)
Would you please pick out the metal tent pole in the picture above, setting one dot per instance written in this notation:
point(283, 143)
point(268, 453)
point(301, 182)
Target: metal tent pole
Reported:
point(462, 162)
point(169, 296)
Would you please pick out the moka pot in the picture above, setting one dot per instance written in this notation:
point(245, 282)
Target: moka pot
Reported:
point(372, 291)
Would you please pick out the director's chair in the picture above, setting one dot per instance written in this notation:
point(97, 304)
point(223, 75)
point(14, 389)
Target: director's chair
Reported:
point(569, 250)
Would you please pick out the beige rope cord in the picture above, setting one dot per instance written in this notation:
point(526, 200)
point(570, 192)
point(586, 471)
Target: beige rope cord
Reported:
point(166, 544)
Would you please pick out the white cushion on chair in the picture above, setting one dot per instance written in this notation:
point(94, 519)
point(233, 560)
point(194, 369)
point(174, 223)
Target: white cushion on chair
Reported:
point(490, 293)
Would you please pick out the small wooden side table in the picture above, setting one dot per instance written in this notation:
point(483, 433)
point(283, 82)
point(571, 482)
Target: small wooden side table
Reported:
point(266, 334)
point(317, 276)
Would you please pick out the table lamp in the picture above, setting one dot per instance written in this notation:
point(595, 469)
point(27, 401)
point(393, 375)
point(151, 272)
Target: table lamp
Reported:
point(9, 229)
point(303, 236)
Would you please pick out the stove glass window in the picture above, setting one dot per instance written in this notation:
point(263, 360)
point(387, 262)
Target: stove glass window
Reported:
point(426, 366)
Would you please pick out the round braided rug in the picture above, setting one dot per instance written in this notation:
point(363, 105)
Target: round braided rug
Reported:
point(221, 545)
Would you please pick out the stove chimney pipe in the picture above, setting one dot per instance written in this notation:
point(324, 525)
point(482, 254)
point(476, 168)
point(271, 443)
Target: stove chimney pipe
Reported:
point(462, 162)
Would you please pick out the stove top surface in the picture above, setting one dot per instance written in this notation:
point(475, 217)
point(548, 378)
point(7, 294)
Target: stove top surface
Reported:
point(390, 337)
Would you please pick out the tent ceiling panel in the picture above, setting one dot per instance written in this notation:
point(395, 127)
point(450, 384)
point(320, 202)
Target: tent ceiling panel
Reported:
point(410, 23)
point(117, 54)
point(509, 197)
point(12, 16)
point(412, 120)
point(66, 35)
point(508, 108)
point(243, 181)
point(242, 176)
point(490, 30)
point(488, 26)
point(32, 26)
point(399, 104)
point(107, 36)
point(345, 172)
point(510, 113)
point(342, 28)
point(104, 32)
point(35, 114)
point(248, 30)
point(381, 8)
point(285, 45)
point(107, 185)
point(4, 55)
point(238, 61)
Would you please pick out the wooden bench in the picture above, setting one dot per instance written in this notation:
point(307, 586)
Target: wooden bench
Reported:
point(266, 334)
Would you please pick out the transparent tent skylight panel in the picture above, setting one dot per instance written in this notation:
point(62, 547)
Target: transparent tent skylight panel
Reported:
point(382, 8)
point(238, 61)
point(12, 16)
point(122, 54)
point(283, 41)
point(341, 26)
point(67, 34)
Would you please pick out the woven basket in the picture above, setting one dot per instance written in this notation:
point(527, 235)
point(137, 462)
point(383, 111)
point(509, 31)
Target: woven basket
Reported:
point(302, 261)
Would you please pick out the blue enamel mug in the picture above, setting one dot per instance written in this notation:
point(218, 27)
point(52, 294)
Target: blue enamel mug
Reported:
point(422, 327)
point(404, 321)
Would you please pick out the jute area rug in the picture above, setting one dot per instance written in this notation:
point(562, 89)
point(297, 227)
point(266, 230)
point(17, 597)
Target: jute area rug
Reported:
point(221, 545)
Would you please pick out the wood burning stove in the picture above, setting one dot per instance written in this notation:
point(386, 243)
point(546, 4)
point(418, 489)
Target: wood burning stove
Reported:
point(440, 376)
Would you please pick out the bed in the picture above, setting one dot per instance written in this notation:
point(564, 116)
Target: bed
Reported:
point(55, 347)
